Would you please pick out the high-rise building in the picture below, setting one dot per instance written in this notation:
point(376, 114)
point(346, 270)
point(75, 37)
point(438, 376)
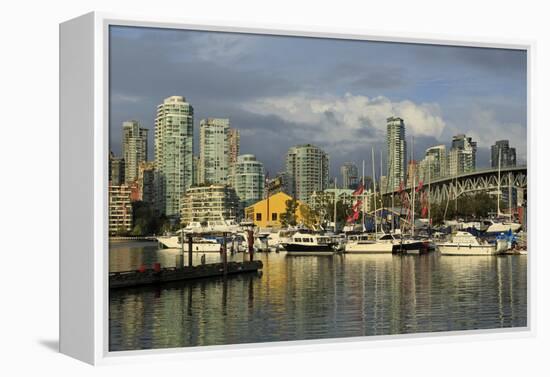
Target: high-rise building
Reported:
point(116, 170)
point(507, 154)
point(414, 174)
point(350, 175)
point(134, 148)
point(146, 182)
point(120, 209)
point(248, 179)
point(397, 151)
point(462, 156)
point(196, 170)
point(234, 137)
point(209, 203)
point(307, 171)
point(214, 151)
point(173, 153)
point(434, 165)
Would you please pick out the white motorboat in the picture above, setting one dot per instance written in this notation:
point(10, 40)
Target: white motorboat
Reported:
point(306, 243)
point(464, 243)
point(217, 226)
point(202, 245)
point(497, 226)
point(362, 244)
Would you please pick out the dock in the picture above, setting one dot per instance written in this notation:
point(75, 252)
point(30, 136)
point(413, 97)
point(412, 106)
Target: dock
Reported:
point(158, 275)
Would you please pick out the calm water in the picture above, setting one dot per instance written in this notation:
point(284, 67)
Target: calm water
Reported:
point(316, 297)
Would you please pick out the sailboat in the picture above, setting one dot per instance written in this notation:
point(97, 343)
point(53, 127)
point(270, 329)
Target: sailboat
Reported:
point(410, 244)
point(504, 222)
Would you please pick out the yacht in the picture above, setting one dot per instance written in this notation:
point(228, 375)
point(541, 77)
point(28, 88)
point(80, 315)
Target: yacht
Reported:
point(215, 226)
point(464, 243)
point(200, 244)
point(275, 240)
point(500, 226)
point(308, 243)
point(362, 243)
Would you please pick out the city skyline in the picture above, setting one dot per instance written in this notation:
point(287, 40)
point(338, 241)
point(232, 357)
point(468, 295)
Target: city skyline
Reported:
point(339, 103)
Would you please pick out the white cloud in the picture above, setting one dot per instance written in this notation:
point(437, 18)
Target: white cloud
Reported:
point(350, 118)
point(486, 128)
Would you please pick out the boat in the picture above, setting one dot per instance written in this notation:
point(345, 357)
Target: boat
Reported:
point(504, 222)
point(308, 243)
point(500, 226)
point(412, 245)
point(464, 243)
point(386, 243)
point(364, 244)
point(200, 244)
point(275, 240)
point(215, 226)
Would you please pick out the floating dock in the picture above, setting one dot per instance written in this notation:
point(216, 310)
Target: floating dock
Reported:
point(158, 275)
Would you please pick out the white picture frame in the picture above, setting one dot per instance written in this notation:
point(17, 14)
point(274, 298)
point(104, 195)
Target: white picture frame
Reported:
point(84, 198)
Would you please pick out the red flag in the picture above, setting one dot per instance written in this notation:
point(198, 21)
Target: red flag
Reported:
point(353, 217)
point(359, 190)
point(357, 205)
point(424, 212)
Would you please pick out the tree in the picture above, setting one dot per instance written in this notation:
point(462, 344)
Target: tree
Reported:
point(288, 218)
point(310, 216)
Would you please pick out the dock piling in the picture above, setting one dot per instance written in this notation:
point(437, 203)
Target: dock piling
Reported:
point(190, 245)
point(224, 253)
point(251, 244)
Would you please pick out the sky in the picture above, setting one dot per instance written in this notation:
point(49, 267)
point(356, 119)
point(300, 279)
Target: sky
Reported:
point(280, 91)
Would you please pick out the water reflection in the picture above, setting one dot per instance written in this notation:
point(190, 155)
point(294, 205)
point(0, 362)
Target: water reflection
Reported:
point(316, 297)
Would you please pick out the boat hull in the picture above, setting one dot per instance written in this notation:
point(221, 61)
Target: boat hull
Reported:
point(299, 249)
point(410, 247)
point(173, 243)
point(369, 248)
point(467, 249)
point(498, 228)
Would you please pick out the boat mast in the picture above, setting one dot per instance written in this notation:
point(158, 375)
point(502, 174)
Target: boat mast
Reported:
point(381, 196)
point(335, 178)
point(363, 198)
point(510, 195)
point(392, 201)
point(413, 184)
point(498, 184)
point(429, 197)
point(374, 192)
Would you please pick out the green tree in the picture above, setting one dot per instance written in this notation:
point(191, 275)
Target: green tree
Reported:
point(310, 217)
point(288, 218)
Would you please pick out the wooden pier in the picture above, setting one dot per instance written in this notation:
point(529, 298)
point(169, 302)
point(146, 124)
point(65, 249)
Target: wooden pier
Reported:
point(158, 275)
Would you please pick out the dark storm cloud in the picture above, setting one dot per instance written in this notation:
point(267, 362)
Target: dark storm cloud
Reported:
point(220, 73)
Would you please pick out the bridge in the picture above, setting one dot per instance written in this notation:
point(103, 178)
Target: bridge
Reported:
point(449, 187)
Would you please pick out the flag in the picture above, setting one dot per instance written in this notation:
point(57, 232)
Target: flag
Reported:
point(357, 205)
point(359, 190)
point(353, 217)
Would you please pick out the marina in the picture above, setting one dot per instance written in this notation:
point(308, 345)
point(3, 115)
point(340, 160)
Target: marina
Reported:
point(312, 297)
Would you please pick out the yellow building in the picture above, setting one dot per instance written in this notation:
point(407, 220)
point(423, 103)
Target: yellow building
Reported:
point(268, 212)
